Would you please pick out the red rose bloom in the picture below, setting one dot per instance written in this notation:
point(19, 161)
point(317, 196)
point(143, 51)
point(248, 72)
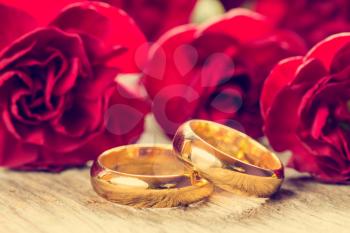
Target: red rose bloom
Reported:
point(313, 20)
point(216, 71)
point(155, 17)
point(59, 99)
point(305, 104)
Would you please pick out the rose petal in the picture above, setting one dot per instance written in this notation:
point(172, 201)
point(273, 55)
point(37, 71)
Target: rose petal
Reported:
point(178, 13)
point(341, 59)
point(320, 121)
point(319, 92)
point(309, 72)
point(313, 20)
point(86, 118)
point(67, 81)
point(82, 118)
point(325, 50)
point(289, 41)
point(15, 23)
point(328, 170)
point(7, 57)
point(169, 100)
point(124, 134)
point(280, 76)
point(156, 17)
point(157, 76)
point(25, 133)
point(275, 10)
point(13, 152)
point(280, 126)
point(328, 156)
point(208, 45)
point(342, 112)
point(12, 80)
point(104, 78)
point(244, 25)
point(110, 25)
point(303, 161)
point(17, 112)
point(42, 11)
point(261, 56)
point(57, 161)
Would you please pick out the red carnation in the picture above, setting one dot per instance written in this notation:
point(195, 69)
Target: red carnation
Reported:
point(60, 104)
point(216, 71)
point(305, 104)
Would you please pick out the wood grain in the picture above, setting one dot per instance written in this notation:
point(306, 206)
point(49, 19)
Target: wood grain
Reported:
point(43, 202)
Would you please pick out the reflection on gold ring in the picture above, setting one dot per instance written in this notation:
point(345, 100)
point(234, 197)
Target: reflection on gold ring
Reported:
point(230, 159)
point(147, 176)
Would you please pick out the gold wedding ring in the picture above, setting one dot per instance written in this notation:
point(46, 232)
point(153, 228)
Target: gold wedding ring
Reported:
point(147, 176)
point(228, 158)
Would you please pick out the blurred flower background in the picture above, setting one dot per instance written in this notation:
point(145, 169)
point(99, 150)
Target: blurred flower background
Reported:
point(177, 59)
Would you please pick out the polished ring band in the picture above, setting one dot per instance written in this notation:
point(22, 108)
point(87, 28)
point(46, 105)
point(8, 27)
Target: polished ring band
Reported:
point(147, 176)
point(228, 158)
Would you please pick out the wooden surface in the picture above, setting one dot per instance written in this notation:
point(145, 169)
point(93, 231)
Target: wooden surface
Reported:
point(42, 202)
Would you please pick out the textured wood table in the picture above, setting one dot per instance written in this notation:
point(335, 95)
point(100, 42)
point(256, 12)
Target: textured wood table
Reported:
point(42, 202)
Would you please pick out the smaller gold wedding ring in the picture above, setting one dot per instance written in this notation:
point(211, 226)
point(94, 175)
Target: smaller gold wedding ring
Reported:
point(147, 176)
point(228, 158)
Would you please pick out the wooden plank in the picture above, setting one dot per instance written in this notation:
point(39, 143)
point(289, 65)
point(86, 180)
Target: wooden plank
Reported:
point(43, 202)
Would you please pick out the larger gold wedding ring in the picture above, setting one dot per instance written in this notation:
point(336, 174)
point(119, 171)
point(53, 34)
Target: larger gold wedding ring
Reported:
point(147, 176)
point(230, 159)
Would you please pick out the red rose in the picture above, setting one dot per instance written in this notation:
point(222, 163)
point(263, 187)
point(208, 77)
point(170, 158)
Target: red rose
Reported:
point(60, 104)
point(156, 16)
point(313, 20)
point(216, 71)
point(305, 103)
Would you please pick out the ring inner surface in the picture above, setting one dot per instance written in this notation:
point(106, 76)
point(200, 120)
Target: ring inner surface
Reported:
point(235, 144)
point(146, 167)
